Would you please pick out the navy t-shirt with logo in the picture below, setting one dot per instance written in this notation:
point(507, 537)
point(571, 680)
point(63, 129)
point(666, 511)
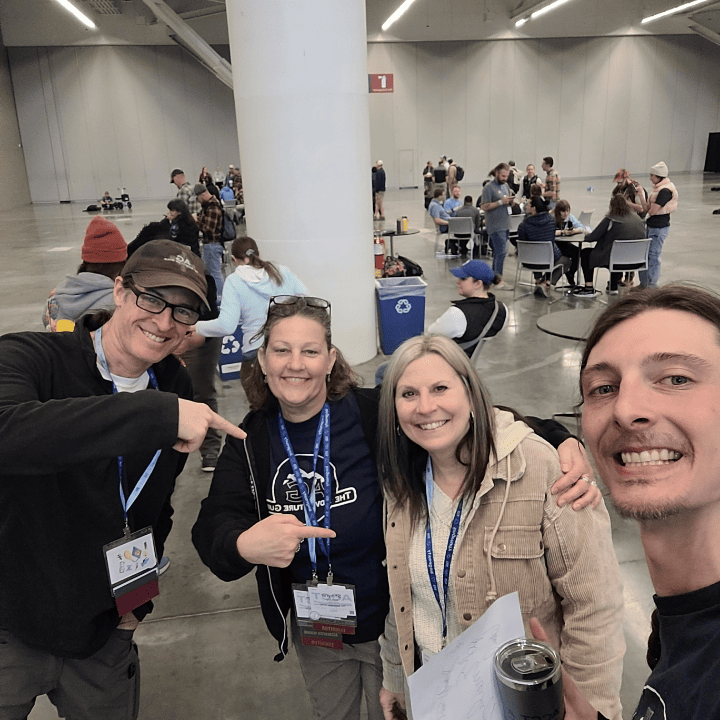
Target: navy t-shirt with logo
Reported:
point(358, 551)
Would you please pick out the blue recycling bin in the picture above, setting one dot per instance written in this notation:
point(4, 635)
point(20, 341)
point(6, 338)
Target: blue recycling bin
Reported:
point(231, 356)
point(401, 310)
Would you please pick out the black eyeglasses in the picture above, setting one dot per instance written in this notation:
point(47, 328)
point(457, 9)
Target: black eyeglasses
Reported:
point(315, 302)
point(155, 305)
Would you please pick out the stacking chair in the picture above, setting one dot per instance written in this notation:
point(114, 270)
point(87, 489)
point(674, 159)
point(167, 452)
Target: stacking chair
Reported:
point(461, 228)
point(627, 256)
point(536, 257)
point(584, 218)
point(515, 221)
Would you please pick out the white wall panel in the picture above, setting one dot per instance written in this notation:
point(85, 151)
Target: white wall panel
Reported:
point(574, 106)
point(548, 111)
point(617, 108)
point(95, 118)
point(34, 125)
point(126, 116)
point(594, 104)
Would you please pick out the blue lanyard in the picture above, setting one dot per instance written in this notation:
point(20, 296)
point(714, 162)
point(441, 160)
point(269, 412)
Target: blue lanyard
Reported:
point(323, 431)
point(430, 558)
point(126, 504)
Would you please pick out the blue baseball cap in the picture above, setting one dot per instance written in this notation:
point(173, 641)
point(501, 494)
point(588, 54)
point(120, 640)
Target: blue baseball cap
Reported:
point(476, 269)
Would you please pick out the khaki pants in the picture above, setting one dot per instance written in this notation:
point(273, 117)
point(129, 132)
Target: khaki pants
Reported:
point(336, 680)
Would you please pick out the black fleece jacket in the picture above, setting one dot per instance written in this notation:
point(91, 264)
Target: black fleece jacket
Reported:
point(61, 432)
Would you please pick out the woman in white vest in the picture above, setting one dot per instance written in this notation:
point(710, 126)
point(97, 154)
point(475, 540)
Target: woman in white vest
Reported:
point(661, 201)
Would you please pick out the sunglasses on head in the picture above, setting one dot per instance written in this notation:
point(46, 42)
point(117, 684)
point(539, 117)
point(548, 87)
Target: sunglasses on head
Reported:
point(315, 302)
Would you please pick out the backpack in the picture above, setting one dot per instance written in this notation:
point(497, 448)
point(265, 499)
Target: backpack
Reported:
point(228, 228)
point(459, 173)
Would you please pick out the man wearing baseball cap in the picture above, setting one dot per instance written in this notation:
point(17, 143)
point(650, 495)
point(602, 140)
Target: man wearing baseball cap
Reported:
point(95, 427)
point(478, 315)
point(661, 202)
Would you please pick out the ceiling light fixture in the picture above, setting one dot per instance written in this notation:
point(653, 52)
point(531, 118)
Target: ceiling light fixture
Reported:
point(399, 12)
point(672, 11)
point(542, 11)
point(79, 15)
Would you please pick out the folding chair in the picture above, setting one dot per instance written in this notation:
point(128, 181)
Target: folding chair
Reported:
point(536, 257)
point(627, 256)
point(515, 221)
point(461, 228)
point(584, 218)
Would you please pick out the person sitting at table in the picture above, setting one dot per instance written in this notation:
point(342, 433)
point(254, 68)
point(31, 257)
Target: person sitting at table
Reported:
point(467, 209)
point(441, 218)
point(539, 226)
point(468, 484)
point(620, 223)
point(568, 225)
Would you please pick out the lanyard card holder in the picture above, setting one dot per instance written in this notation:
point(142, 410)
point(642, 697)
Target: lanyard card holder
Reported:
point(131, 564)
point(325, 613)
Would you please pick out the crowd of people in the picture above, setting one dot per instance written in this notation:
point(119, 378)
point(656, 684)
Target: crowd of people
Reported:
point(419, 501)
point(634, 214)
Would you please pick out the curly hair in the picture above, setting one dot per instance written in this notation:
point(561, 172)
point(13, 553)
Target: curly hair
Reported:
point(342, 377)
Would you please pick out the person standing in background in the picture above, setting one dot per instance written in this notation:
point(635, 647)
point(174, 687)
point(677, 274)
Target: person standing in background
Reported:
point(661, 202)
point(379, 191)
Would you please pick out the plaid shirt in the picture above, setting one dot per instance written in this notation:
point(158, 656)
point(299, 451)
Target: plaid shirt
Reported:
point(210, 220)
point(552, 185)
point(186, 194)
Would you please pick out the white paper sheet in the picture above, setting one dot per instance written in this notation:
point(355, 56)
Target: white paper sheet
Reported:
point(459, 682)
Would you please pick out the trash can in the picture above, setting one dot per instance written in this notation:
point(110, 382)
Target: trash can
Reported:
point(231, 356)
point(401, 310)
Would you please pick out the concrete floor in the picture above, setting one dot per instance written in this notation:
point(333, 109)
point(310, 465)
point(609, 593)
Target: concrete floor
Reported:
point(205, 650)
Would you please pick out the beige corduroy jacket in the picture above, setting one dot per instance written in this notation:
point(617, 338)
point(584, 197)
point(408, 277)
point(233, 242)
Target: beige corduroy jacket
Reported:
point(561, 562)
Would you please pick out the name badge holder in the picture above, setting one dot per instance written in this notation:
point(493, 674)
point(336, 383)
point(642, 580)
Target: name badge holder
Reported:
point(131, 561)
point(324, 611)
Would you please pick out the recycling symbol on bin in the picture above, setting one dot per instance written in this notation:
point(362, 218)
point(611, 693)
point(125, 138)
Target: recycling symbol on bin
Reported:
point(403, 306)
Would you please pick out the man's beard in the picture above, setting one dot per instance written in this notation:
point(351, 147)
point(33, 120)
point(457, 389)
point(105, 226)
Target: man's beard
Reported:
point(635, 512)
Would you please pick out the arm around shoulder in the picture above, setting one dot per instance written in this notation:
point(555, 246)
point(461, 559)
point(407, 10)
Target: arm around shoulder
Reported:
point(584, 572)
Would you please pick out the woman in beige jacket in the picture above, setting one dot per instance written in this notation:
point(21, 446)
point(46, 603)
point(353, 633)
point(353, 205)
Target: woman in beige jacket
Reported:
point(486, 478)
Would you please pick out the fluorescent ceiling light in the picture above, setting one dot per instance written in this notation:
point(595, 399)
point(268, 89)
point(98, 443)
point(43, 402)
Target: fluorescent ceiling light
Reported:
point(400, 11)
point(542, 11)
point(548, 8)
point(672, 11)
point(80, 16)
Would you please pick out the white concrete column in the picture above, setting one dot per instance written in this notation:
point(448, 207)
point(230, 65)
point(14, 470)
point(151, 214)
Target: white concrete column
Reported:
point(301, 97)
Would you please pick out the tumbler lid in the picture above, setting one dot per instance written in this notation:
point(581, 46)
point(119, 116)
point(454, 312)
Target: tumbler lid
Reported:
point(526, 664)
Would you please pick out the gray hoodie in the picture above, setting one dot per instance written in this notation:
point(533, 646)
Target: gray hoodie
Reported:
point(80, 294)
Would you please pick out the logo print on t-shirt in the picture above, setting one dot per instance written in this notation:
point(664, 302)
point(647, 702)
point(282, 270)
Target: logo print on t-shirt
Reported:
point(285, 496)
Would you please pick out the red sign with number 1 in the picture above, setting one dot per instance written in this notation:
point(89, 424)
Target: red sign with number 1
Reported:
point(380, 83)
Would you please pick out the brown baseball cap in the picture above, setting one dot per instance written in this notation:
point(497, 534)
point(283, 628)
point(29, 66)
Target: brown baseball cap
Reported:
point(165, 263)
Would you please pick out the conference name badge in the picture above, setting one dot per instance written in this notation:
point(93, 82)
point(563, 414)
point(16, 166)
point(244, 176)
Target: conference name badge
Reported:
point(325, 612)
point(131, 564)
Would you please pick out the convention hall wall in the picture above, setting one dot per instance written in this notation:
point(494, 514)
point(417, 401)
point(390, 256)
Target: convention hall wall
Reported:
point(14, 190)
point(98, 118)
point(594, 104)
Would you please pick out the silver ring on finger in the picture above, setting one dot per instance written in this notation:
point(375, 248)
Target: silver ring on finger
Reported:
point(297, 549)
point(593, 482)
point(586, 479)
